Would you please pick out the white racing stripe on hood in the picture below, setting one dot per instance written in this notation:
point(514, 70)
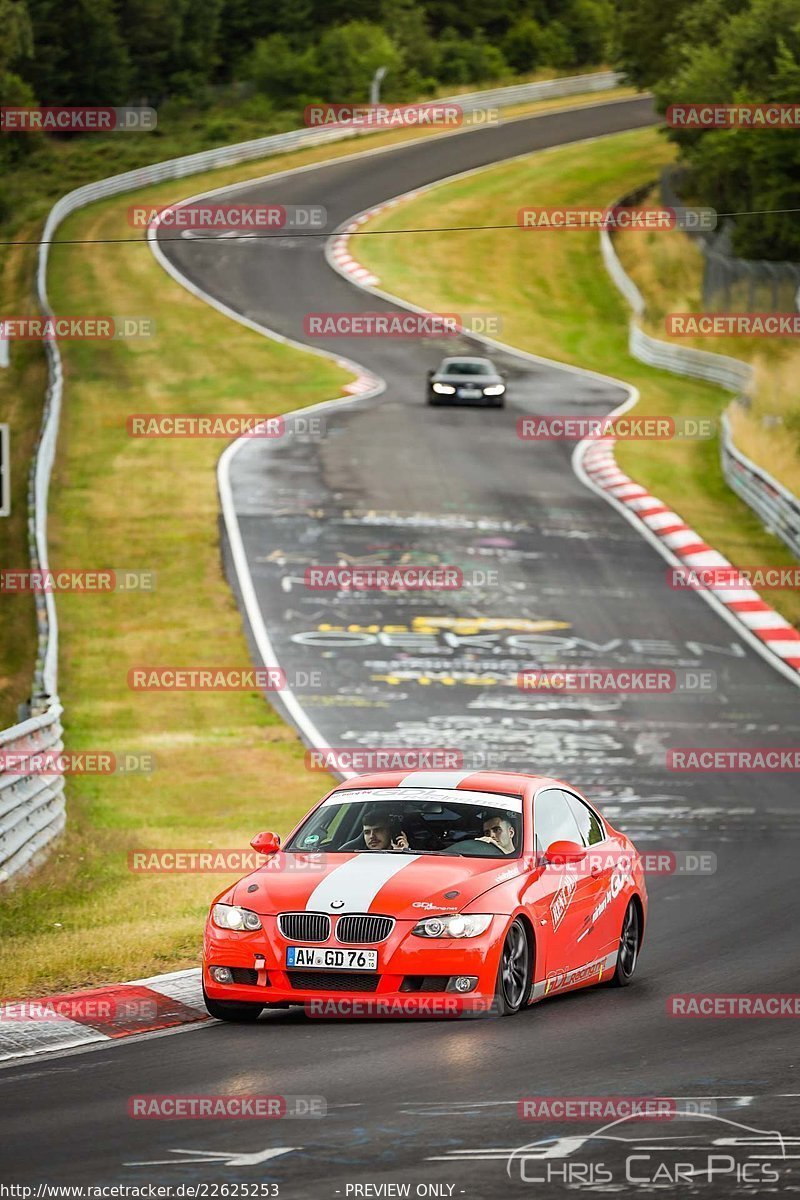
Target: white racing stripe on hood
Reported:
point(357, 881)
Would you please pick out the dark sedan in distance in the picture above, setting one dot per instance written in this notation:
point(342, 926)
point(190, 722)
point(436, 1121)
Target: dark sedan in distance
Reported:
point(467, 381)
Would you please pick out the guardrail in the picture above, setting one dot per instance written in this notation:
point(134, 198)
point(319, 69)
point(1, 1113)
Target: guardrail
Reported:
point(32, 810)
point(730, 373)
point(775, 505)
point(32, 807)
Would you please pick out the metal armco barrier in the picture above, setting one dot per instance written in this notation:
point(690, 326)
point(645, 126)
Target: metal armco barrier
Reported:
point(32, 809)
point(778, 508)
point(730, 373)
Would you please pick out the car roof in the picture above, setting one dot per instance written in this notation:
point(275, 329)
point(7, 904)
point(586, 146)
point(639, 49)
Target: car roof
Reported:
point(467, 358)
point(504, 783)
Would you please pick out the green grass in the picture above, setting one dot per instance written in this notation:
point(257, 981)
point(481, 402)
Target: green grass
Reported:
point(556, 299)
point(226, 765)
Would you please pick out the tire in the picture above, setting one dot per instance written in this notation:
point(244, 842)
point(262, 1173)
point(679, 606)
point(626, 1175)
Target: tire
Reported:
point(433, 403)
point(513, 974)
point(230, 1010)
point(628, 953)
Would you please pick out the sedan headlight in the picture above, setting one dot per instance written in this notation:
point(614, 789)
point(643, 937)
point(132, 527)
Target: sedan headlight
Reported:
point(230, 916)
point(460, 925)
point(496, 389)
point(444, 389)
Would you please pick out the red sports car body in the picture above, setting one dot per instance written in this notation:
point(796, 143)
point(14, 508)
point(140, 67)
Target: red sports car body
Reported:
point(429, 892)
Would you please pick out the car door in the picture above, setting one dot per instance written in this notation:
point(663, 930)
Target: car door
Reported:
point(610, 867)
point(570, 890)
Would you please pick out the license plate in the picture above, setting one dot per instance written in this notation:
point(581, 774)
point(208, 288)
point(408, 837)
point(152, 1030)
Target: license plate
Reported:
point(470, 393)
point(334, 960)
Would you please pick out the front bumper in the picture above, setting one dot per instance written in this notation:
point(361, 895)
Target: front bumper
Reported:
point(454, 398)
point(411, 978)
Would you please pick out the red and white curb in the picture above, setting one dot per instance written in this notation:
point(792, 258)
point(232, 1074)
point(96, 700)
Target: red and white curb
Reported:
point(340, 254)
point(339, 250)
point(745, 604)
point(363, 385)
point(102, 1014)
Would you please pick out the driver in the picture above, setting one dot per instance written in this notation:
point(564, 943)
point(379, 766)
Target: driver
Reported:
point(499, 831)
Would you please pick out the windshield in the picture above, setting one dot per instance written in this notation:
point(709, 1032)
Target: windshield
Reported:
point(414, 821)
point(465, 367)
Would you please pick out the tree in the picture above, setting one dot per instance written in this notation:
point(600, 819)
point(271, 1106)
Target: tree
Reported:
point(16, 43)
point(556, 48)
point(172, 44)
point(80, 56)
point(524, 44)
point(407, 26)
point(643, 44)
point(472, 60)
point(15, 47)
point(244, 23)
point(588, 28)
point(280, 72)
point(752, 58)
point(348, 56)
point(469, 18)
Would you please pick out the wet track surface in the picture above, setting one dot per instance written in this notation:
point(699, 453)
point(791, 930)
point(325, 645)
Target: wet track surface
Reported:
point(566, 582)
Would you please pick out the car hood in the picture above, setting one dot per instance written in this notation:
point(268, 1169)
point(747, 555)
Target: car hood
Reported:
point(406, 886)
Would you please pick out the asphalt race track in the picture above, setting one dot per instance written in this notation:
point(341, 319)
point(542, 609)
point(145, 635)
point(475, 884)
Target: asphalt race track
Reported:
point(434, 1103)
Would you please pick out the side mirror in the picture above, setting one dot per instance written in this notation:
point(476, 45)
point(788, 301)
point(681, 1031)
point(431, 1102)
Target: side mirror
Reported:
point(431, 374)
point(266, 843)
point(564, 852)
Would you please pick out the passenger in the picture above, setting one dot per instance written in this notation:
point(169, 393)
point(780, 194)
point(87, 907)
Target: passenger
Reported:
point(500, 832)
point(376, 834)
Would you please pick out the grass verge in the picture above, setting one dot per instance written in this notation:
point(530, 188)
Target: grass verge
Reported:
point(556, 299)
point(226, 765)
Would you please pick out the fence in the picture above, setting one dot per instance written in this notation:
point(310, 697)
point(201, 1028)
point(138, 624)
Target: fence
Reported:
point(777, 507)
point(32, 808)
point(731, 283)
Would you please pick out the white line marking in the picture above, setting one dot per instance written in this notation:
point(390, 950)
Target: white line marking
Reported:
point(220, 1158)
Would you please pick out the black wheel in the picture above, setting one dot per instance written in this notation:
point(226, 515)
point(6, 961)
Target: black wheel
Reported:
point(513, 977)
point(628, 953)
point(230, 1010)
point(433, 403)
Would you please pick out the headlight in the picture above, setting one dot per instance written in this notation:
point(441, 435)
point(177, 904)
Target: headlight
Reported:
point(444, 389)
point(461, 925)
point(496, 389)
point(230, 916)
